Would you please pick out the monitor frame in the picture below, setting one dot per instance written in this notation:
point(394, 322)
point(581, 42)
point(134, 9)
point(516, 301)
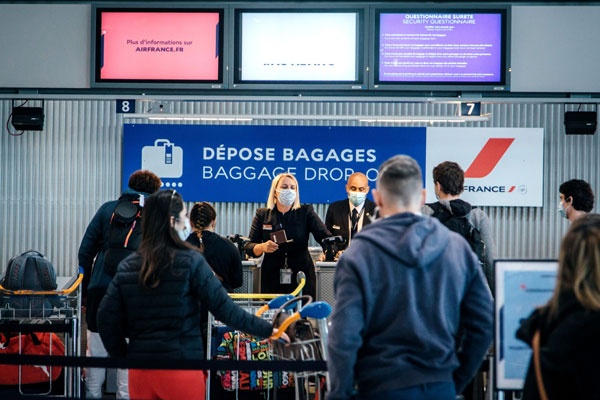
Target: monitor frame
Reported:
point(95, 80)
point(503, 85)
point(501, 383)
point(361, 48)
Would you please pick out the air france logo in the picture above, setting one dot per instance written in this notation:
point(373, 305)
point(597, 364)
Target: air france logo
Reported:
point(485, 162)
point(488, 157)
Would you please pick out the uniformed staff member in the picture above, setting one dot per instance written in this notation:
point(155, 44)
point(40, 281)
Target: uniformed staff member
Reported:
point(347, 217)
point(281, 232)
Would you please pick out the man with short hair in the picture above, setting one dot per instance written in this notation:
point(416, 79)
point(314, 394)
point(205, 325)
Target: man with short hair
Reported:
point(402, 290)
point(92, 250)
point(449, 180)
point(576, 199)
point(347, 217)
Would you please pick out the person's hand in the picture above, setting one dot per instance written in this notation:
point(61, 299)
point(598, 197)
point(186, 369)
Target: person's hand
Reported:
point(283, 336)
point(321, 257)
point(338, 255)
point(270, 246)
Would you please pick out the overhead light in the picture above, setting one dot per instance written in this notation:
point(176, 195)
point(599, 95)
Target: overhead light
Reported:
point(359, 118)
point(184, 118)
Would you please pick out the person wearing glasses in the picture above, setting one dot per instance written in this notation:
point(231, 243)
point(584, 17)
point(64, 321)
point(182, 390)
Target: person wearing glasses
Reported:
point(347, 217)
point(155, 300)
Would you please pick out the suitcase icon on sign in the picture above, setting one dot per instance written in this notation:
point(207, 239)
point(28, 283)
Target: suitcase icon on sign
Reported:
point(164, 159)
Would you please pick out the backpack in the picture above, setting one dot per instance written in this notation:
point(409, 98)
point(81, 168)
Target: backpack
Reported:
point(125, 232)
point(32, 271)
point(462, 226)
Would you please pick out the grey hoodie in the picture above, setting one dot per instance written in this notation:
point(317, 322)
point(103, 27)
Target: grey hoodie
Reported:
point(402, 289)
point(479, 219)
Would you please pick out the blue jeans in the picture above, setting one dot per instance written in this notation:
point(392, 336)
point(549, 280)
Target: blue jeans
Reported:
point(427, 391)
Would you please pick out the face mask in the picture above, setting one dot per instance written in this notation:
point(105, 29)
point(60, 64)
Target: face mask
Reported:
point(185, 232)
point(357, 198)
point(286, 197)
point(562, 211)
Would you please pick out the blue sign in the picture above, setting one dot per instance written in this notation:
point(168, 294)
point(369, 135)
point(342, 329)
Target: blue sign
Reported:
point(238, 163)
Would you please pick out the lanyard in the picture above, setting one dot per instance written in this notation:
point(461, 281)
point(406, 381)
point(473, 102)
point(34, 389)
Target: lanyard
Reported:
point(354, 225)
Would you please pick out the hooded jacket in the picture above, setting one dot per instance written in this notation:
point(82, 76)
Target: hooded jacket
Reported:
point(479, 219)
point(402, 290)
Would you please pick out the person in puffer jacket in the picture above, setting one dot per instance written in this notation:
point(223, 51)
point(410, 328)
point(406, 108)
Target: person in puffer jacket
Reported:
point(155, 299)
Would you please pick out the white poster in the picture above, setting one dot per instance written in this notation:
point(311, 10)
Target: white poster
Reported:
point(503, 166)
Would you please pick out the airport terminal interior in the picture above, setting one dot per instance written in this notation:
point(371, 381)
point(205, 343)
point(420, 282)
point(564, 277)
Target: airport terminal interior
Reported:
point(266, 133)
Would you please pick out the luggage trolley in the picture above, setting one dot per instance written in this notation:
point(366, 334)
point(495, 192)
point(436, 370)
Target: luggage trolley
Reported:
point(57, 311)
point(304, 349)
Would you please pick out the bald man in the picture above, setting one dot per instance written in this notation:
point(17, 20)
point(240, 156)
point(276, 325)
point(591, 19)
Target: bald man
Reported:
point(347, 217)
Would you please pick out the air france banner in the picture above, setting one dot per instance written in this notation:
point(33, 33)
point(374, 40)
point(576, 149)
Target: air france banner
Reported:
point(503, 166)
point(237, 163)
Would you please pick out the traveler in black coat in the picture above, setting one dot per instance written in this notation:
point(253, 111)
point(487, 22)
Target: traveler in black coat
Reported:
point(347, 217)
point(569, 324)
point(155, 299)
point(222, 255)
point(283, 260)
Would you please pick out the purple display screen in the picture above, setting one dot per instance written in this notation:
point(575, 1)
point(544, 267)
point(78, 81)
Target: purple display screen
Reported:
point(440, 47)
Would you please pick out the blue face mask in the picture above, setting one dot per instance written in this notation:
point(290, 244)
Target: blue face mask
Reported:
point(357, 198)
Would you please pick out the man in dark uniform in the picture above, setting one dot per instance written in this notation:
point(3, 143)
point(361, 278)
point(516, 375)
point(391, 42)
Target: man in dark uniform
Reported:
point(347, 217)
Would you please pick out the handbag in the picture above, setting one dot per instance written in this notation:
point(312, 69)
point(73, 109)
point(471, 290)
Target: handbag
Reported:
point(40, 343)
point(537, 366)
point(241, 346)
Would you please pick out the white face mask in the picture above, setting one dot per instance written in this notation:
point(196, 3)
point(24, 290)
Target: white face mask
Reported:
point(357, 198)
point(563, 211)
point(185, 232)
point(286, 197)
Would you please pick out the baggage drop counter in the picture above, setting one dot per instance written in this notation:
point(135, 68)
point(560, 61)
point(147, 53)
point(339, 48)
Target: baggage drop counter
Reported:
point(251, 273)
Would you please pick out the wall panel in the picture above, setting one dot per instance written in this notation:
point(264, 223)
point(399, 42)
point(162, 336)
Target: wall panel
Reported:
point(52, 182)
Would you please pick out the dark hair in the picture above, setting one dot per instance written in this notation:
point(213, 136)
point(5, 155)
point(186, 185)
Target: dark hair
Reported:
point(579, 263)
point(400, 176)
point(144, 181)
point(581, 193)
point(159, 238)
point(201, 216)
point(450, 176)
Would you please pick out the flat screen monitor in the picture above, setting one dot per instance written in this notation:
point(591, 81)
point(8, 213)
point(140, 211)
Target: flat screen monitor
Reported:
point(299, 46)
point(441, 47)
point(521, 286)
point(158, 45)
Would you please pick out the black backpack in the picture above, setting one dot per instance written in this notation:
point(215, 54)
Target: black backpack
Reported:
point(125, 232)
point(30, 271)
point(462, 226)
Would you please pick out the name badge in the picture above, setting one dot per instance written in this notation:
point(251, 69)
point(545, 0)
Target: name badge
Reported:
point(336, 227)
point(267, 227)
point(285, 276)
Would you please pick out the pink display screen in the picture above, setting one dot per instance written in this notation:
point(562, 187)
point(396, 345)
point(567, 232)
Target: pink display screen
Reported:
point(158, 46)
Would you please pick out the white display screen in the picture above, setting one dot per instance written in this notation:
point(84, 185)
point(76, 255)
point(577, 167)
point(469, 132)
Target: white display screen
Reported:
point(298, 46)
point(521, 287)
